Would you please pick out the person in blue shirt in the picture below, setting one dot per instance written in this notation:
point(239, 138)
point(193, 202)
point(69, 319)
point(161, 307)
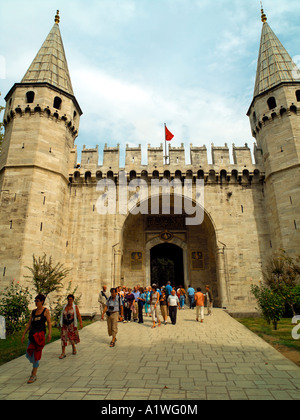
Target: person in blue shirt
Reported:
point(191, 295)
point(169, 289)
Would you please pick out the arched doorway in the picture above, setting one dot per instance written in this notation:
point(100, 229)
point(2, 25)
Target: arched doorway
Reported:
point(202, 260)
point(167, 265)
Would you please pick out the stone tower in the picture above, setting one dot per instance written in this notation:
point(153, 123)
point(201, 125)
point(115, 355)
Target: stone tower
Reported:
point(41, 123)
point(274, 117)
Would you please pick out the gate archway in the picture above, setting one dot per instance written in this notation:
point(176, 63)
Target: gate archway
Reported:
point(200, 257)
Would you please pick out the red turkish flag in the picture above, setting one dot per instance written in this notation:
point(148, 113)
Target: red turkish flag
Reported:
point(169, 135)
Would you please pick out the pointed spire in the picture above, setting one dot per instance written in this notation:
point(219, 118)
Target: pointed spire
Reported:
point(50, 64)
point(274, 65)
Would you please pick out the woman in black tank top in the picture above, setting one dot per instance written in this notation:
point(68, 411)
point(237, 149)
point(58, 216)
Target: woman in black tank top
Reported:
point(38, 323)
point(37, 330)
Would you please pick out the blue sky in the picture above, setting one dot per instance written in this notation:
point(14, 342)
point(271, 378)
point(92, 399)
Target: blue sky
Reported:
point(137, 64)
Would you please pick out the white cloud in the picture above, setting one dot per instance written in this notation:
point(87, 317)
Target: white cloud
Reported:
point(135, 114)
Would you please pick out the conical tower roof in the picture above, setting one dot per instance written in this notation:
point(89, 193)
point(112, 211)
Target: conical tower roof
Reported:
point(275, 65)
point(50, 64)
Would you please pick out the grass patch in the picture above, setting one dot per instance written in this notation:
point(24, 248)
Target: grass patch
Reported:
point(281, 339)
point(11, 348)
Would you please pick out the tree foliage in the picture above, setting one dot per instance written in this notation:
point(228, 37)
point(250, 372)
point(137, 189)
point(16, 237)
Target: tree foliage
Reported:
point(270, 304)
point(46, 276)
point(282, 275)
point(14, 307)
point(281, 288)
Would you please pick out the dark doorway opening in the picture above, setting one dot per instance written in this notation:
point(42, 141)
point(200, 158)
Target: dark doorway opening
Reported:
point(167, 265)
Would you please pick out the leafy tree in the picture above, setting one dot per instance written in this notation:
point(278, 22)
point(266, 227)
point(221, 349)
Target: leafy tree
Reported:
point(46, 276)
point(282, 275)
point(270, 303)
point(14, 307)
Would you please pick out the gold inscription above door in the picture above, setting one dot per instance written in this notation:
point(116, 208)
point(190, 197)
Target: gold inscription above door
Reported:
point(166, 236)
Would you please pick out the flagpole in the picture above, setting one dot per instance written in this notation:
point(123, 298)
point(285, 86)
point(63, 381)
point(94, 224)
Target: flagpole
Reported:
point(166, 156)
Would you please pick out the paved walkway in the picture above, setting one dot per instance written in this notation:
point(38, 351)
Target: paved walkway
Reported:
point(219, 359)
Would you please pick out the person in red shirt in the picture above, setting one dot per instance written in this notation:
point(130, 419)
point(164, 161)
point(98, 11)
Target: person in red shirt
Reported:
point(199, 299)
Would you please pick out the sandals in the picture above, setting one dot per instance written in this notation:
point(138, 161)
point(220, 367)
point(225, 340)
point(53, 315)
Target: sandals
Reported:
point(32, 379)
point(62, 356)
point(113, 343)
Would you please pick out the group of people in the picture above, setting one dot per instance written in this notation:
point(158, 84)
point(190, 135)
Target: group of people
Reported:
point(125, 303)
point(122, 304)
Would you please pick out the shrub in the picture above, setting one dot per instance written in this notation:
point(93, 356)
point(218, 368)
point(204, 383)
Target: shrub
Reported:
point(14, 307)
point(282, 275)
point(271, 304)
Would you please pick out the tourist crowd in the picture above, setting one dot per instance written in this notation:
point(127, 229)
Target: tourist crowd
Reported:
point(126, 304)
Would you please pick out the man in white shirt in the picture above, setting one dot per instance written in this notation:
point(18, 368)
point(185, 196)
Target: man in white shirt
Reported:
point(173, 303)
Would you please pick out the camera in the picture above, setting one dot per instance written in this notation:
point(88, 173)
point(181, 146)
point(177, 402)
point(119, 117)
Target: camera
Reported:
point(110, 310)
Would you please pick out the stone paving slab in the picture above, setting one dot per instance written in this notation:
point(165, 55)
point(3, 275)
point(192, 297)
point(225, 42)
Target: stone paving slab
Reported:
point(217, 360)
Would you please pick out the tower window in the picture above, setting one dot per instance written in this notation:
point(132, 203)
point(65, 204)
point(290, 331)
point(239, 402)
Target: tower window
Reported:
point(272, 103)
point(110, 175)
point(30, 97)
point(132, 175)
point(298, 95)
point(57, 102)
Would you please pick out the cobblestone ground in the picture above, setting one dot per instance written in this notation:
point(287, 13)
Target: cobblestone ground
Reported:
point(219, 359)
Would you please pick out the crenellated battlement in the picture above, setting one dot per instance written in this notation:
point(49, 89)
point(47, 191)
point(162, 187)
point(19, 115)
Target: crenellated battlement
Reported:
point(31, 111)
point(272, 107)
point(240, 169)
